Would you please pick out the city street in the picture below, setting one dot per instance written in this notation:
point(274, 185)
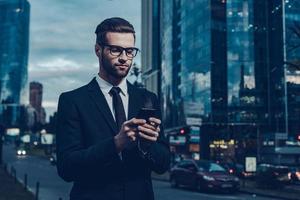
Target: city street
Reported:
point(37, 169)
point(52, 187)
point(163, 191)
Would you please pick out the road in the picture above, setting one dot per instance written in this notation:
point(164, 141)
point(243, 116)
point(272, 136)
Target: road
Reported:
point(38, 169)
point(52, 187)
point(163, 191)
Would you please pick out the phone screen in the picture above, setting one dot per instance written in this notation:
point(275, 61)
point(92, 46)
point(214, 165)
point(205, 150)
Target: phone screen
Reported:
point(146, 113)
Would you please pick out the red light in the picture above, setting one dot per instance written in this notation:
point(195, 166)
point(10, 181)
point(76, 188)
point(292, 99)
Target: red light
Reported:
point(298, 137)
point(231, 171)
point(182, 131)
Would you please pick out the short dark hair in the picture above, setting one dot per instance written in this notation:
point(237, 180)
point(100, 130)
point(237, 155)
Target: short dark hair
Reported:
point(114, 24)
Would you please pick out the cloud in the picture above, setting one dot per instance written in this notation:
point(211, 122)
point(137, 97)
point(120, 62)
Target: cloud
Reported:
point(62, 41)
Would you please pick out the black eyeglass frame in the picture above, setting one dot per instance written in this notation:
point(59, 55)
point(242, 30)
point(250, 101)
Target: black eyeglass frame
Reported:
point(127, 50)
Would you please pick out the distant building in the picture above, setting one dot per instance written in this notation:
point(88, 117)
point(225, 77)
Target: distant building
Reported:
point(151, 73)
point(14, 37)
point(35, 100)
point(30, 117)
point(223, 69)
point(292, 61)
point(194, 64)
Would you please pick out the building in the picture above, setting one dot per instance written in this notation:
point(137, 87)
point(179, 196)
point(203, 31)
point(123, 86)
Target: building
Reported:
point(292, 61)
point(194, 64)
point(35, 100)
point(293, 91)
point(14, 36)
point(192, 88)
point(170, 64)
point(151, 45)
point(223, 70)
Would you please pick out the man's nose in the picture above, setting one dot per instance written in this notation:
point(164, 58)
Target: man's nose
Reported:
point(123, 56)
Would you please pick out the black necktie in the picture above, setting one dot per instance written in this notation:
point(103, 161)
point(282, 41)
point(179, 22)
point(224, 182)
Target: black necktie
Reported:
point(120, 115)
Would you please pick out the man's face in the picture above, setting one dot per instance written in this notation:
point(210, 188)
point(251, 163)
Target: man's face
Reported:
point(116, 67)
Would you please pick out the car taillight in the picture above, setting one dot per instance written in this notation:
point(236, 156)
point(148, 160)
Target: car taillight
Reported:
point(231, 171)
point(298, 175)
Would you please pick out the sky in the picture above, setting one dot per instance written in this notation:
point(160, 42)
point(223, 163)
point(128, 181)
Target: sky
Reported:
point(62, 39)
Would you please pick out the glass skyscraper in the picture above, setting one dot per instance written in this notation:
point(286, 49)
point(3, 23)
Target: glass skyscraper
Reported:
point(292, 64)
point(222, 65)
point(193, 88)
point(240, 59)
point(14, 36)
point(230, 70)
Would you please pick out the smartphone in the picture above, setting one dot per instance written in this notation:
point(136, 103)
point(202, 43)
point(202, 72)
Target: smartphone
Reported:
point(146, 113)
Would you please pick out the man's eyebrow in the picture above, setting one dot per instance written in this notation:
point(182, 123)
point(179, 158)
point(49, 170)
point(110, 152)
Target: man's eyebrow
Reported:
point(122, 47)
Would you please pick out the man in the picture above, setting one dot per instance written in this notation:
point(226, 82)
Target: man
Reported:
point(101, 146)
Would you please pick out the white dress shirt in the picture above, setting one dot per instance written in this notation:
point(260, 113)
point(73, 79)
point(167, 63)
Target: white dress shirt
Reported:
point(105, 87)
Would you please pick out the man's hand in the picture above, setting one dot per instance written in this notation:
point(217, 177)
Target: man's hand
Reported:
point(149, 131)
point(127, 133)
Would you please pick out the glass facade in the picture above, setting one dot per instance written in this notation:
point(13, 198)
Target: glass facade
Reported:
point(191, 35)
point(196, 59)
point(166, 63)
point(269, 66)
point(223, 69)
point(292, 64)
point(14, 36)
point(240, 59)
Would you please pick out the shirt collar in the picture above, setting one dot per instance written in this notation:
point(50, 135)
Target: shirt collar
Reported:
point(106, 86)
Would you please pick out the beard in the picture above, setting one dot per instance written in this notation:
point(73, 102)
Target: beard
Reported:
point(113, 69)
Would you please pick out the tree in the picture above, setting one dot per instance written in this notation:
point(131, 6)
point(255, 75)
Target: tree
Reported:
point(136, 71)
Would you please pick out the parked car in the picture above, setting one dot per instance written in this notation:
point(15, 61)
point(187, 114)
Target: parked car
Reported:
point(271, 176)
point(233, 168)
point(203, 175)
point(294, 174)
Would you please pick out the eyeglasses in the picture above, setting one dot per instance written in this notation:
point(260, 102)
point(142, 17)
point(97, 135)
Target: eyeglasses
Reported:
point(117, 50)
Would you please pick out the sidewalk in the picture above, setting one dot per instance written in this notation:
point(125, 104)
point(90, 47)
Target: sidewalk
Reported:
point(9, 190)
point(286, 193)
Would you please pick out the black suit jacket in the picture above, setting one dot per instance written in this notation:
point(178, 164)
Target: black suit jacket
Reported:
point(86, 153)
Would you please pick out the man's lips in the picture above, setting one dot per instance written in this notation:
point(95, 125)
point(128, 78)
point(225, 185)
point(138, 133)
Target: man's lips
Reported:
point(122, 66)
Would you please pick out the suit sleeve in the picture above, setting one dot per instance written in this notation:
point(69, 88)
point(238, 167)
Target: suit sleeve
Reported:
point(158, 155)
point(74, 162)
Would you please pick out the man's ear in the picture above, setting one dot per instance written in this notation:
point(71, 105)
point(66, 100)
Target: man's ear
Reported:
point(97, 50)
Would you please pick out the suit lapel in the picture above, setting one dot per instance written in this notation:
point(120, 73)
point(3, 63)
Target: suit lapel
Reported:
point(98, 97)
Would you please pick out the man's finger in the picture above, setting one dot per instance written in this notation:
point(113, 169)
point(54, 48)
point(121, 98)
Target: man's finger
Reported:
point(149, 126)
point(155, 120)
point(135, 121)
point(154, 128)
point(130, 133)
point(147, 137)
point(158, 129)
point(148, 131)
point(132, 124)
